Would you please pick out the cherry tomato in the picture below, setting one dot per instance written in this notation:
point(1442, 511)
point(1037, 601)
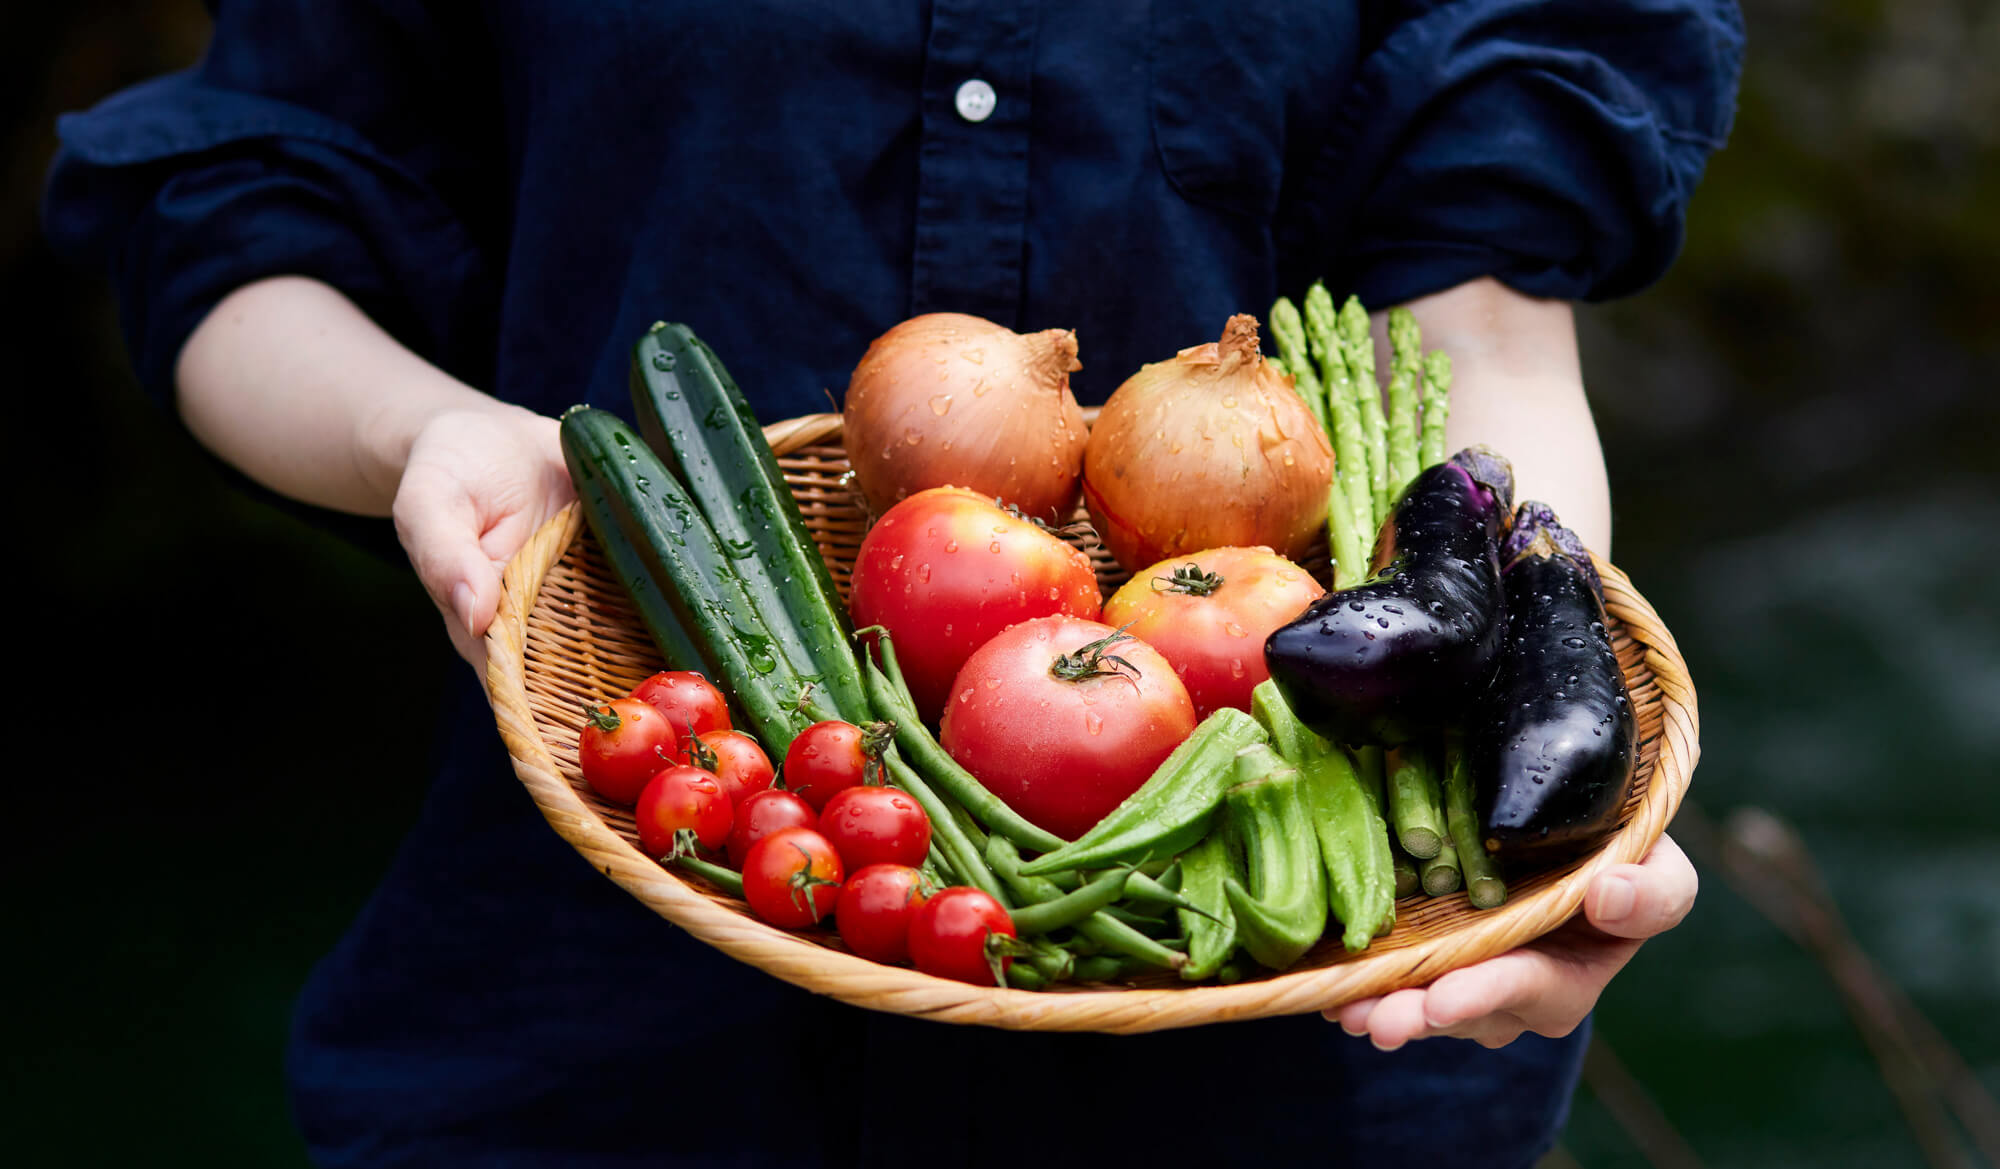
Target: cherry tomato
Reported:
point(946, 569)
point(736, 760)
point(624, 744)
point(1063, 718)
point(876, 825)
point(825, 758)
point(690, 700)
point(948, 937)
point(683, 797)
point(791, 878)
point(875, 910)
point(763, 813)
point(1209, 614)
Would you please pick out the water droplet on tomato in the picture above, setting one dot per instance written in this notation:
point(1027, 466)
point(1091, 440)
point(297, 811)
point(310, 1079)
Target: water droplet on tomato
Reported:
point(1093, 722)
point(924, 573)
point(940, 404)
point(1234, 630)
point(951, 545)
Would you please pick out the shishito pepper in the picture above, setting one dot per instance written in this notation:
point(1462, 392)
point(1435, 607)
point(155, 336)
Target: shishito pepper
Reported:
point(1281, 909)
point(1210, 926)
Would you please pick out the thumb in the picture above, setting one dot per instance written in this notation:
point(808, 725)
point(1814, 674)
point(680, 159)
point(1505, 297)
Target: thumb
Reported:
point(439, 524)
point(1651, 897)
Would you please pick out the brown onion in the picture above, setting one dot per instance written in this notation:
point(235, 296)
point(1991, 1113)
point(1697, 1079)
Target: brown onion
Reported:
point(1208, 449)
point(946, 399)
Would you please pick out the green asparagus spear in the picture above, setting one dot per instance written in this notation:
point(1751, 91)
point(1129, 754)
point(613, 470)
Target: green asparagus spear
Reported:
point(1350, 448)
point(1288, 329)
point(1482, 875)
point(1437, 408)
point(1415, 803)
point(1359, 345)
point(1343, 539)
point(1405, 365)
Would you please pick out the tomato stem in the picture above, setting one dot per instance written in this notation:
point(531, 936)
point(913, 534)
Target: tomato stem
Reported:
point(701, 754)
point(876, 737)
point(601, 716)
point(802, 882)
point(1189, 579)
point(1090, 661)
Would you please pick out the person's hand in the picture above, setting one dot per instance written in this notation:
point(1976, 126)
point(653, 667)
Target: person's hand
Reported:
point(477, 484)
point(1548, 985)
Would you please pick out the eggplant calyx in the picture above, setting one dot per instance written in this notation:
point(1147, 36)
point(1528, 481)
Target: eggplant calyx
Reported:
point(1537, 531)
point(1490, 471)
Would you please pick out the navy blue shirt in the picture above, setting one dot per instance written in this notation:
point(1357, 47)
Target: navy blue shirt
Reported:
point(516, 189)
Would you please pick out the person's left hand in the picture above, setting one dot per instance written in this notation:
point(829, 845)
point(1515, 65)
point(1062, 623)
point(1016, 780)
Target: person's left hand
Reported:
point(1548, 985)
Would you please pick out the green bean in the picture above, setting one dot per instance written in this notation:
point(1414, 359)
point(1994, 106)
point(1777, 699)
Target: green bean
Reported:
point(1415, 802)
point(1071, 908)
point(1105, 968)
point(1023, 976)
point(1483, 884)
point(723, 879)
point(884, 695)
point(1105, 931)
point(959, 850)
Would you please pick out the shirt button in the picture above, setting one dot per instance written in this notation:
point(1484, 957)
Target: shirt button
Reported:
point(975, 100)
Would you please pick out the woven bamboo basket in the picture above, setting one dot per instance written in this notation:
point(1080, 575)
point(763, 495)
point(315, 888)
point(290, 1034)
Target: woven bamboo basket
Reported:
point(566, 635)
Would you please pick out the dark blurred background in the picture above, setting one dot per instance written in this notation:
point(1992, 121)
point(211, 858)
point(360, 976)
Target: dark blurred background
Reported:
point(1800, 423)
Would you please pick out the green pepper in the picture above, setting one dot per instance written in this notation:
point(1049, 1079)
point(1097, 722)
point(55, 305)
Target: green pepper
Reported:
point(1172, 810)
point(1211, 938)
point(1281, 909)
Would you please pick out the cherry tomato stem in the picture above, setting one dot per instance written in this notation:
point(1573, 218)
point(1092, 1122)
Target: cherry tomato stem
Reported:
point(727, 880)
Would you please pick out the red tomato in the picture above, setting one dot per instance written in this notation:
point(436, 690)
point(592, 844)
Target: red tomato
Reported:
point(826, 757)
point(1209, 614)
point(690, 700)
point(763, 813)
point(736, 760)
point(680, 799)
point(946, 569)
point(875, 910)
point(792, 878)
point(1062, 723)
point(876, 825)
point(949, 937)
point(624, 744)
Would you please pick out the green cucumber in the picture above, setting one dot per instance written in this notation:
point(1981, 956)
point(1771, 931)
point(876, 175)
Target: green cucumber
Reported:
point(696, 419)
point(683, 583)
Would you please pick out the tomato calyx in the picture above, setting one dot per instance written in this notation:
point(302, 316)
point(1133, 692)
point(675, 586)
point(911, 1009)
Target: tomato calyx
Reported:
point(876, 738)
point(601, 716)
point(701, 754)
point(999, 947)
point(1190, 580)
point(686, 844)
point(1060, 531)
point(803, 882)
point(1091, 661)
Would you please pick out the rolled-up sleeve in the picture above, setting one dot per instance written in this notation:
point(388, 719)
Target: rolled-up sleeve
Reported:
point(301, 145)
point(1553, 144)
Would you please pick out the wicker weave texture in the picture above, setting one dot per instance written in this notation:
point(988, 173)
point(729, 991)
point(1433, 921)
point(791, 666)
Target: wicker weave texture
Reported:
point(565, 635)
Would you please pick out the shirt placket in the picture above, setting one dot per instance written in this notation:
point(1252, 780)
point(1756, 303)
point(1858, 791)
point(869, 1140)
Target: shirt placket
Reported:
point(972, 184)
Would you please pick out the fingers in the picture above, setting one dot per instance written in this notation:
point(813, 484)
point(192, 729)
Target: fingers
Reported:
point(439, 526)
point(1639, 901)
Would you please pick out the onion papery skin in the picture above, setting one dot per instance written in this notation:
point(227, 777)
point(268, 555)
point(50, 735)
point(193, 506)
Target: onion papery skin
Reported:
point(1211, 448)
point(947, 399)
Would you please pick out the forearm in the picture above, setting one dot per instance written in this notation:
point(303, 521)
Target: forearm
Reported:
point(1518, 388)
point(292, 384)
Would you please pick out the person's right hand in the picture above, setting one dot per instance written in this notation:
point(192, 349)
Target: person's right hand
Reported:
point(476, 485)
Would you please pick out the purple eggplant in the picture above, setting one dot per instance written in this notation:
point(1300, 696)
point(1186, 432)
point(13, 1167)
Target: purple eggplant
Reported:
point(1553, 745)
point(1405, 652)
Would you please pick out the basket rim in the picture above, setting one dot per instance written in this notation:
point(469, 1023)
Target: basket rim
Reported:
point(862, 982)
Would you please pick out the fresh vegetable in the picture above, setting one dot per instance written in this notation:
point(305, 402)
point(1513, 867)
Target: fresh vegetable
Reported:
point(1063, 718)
point(1408, 650)
point(1440, 874)
point(828, 757)
point(1100, 929)
point(876, 907)
point(876, 825)
point(953, 839)
point(764, 813)
point(1173, 808)
point(947, 569)
point(1553, 746)
point(892, 703)
point(949, 399)
point(792, 878)
point(1288, 334)
point(736, 761)
point(1345, 383)
point(1405, 367)
point(1357, 343)
point(1046, 916)
point(1484, 886)
point(1209, 614)
point(1210, 925)
point(683, 799)
point(1208, 449)
point(953, 936)
point(690, 701)
point(1280, 909)
point(681, 580)
point(1437, 407)
point(696, 419)
point(1353, 840)
point(1416, 802)
point(728, 881)
point(623, 744)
